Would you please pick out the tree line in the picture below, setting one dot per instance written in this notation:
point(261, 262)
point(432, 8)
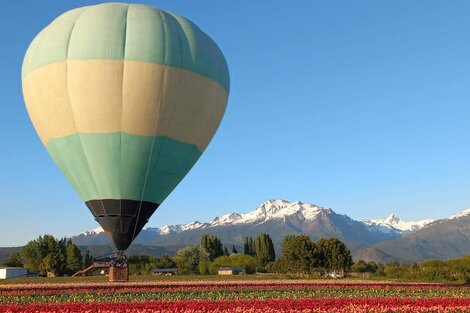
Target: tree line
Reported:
point(452, 270)
point(300, 255)
point(47, 254)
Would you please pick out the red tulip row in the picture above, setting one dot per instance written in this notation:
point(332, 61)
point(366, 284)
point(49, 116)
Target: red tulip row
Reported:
point(75, 288)
point(339, 305)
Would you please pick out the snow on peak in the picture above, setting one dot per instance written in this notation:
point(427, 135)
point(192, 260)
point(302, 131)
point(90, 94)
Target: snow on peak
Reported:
point(270, 210)
point(92, 232)
point(168, 229)
point(460, 214)
point(393, 222)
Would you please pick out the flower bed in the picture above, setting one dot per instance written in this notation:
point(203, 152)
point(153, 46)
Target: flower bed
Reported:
point(341, 305)
point(234, 296)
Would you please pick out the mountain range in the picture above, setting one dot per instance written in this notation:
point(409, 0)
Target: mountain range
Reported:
point(384, 240)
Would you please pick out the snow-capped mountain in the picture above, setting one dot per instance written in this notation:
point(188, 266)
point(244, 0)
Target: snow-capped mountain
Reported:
point(394, 223)
point(281, 210)
point(461, 214)
point(276, 217)
point(92, 232)
point(279, 218)
point(269, 210)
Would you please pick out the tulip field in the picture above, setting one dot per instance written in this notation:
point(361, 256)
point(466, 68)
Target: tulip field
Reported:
point(234, 296)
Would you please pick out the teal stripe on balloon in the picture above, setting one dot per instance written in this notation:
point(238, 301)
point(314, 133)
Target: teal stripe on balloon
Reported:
point(117, 31)
point(121, 165)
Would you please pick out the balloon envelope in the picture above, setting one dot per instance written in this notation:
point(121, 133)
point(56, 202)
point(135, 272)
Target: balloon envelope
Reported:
point(125, 99)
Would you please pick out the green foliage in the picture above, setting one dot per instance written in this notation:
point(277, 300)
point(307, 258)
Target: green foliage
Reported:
point(187, 259)
point(55, 263)
point(248, 262)
point(212, 245)
point(205, 267)
point(87, 259)
point(74, 258)
point(301, 255)
point(226, 253)
point(453, 270)
point(362, 267)
point(234, 250)
point(249, 246)
point(164, 262)
point(333, 254)
point(264, 249)
point(142, 264)
point(46, 254)
point(298, 255)
point(14, 260)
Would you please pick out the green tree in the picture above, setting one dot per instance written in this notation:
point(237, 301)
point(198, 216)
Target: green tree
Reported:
point(55, 263)
point(333, 254)
point(360, 267)
point(45, 254)
point(249, 246)
point(212, 245)
point(234, 250)
point(226, 253)
point(74, 258)
point(140, 264)
point(248, 262)
point(188, 258)
point(87, 259)
point(14, 260)
point(298, 255)
point(165, 262)
point(264, 249)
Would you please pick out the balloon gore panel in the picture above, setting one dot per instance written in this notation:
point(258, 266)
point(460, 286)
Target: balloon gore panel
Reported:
point(121, 219)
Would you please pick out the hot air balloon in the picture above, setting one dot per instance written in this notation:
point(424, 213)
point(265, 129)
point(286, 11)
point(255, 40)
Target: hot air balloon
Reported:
point(125, 98)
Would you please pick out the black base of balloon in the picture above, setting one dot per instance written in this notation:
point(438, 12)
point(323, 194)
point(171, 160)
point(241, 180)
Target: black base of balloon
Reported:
point(121, 219)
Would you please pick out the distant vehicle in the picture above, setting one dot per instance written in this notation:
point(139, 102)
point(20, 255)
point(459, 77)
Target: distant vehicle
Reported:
point(125, 98)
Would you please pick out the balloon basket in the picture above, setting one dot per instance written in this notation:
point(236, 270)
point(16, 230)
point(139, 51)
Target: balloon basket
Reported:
point(119, 270)
point(118, 274)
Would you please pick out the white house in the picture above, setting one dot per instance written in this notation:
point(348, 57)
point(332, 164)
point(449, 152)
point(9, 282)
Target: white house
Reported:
point(12, 272)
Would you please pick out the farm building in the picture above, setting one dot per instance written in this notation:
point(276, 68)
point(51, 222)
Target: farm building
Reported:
point(231, 271)
point(164, 271)
point(13, 272)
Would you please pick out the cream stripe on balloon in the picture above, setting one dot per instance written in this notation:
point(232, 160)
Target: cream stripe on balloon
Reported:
point(99, 91)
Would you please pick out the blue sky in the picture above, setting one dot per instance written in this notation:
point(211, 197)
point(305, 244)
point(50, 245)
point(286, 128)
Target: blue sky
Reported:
point(361, 106)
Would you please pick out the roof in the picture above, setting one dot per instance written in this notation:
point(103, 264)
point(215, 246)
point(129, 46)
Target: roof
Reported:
point(12, 268)
point(226, 268)
point(163, 270)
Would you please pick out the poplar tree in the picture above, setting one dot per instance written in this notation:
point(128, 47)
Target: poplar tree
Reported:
point(73, 257)
point(212, 245)
point(249, 246)
point(264, 249)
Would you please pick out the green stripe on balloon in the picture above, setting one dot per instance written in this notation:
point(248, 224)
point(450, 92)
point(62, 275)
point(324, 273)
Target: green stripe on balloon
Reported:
point(117, 31)
point(122, 166)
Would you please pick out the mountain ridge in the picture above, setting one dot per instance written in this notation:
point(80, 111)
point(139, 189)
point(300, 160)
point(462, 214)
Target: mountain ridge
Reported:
point(280, 209)
point(276, 217)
